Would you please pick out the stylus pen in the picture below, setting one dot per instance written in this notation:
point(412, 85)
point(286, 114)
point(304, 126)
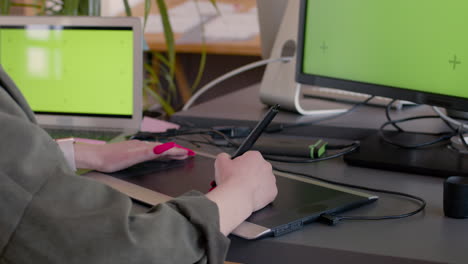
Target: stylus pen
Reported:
point(256, 132)
point(254, 135)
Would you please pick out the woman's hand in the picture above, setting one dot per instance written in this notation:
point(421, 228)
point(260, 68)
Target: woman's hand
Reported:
point(117, 156)
point(244, 185)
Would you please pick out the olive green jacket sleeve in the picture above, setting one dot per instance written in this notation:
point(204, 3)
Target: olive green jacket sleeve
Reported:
point(50, 215)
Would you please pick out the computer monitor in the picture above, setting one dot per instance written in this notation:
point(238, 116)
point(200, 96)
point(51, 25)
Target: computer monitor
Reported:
point(278, 31)
point(80, 72)
point(411, 50)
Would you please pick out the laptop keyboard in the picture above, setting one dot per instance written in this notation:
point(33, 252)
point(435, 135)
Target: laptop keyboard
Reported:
point(98, 135)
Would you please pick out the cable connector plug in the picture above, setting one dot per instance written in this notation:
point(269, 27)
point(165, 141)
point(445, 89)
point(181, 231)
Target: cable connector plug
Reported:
point(318, 149)
point(329, 219)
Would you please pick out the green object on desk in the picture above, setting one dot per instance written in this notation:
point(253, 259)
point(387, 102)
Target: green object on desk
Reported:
point(318, 149)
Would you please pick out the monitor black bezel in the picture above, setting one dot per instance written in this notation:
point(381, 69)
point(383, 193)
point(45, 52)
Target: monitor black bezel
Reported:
point(447, 101)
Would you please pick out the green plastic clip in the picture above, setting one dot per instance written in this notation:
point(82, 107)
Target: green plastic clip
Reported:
point(317, 149)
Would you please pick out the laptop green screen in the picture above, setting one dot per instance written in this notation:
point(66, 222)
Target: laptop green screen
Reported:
point(71, 70)
point(416, 45)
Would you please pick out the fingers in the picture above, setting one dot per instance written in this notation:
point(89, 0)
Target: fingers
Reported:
point(175, 152)
point(253, 154)
point(222, 159)
point(120, 155)
point(170, 149)
point(136, 151)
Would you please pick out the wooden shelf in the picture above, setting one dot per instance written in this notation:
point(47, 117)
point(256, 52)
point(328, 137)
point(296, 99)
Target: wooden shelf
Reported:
point(250, 47)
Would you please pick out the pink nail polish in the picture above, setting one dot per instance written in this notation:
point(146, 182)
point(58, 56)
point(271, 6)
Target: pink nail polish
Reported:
point(163, 148)
point(159, 149)
point(189, 151)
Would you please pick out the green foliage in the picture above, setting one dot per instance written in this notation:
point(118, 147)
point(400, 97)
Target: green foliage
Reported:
point(70, 7)
point(5, 7)
point(128, 10)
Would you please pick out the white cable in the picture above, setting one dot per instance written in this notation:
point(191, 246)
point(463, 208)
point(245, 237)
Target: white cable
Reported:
point(230, 74)
point(449, 119)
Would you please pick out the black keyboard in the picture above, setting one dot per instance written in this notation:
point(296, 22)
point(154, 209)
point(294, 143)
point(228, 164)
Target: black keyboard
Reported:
point(98, 135)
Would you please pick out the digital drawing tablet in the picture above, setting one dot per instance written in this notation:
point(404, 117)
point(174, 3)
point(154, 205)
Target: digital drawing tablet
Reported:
point(299, 201)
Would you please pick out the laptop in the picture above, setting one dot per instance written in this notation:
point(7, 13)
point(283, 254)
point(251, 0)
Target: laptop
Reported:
point(299, 202)
point(80, 75)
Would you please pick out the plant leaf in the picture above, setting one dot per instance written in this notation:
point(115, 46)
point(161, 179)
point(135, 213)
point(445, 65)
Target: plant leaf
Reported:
point(151, 72)
point(5, 7)
point(170, 46)
point(42, 9)
point(201, 68)
point(147, 11)
point(26, 5)
point(171, 90)
point(89, 7)
point(168, 35)
point(128, 10)
point(213, 2)
point(165, 105)
point(170, 80)
point(203, 55)
point(167, 75)
point(70, 7)
point(160, 57)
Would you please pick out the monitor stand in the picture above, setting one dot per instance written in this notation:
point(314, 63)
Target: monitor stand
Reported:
point(437, 160)
point(279, 85)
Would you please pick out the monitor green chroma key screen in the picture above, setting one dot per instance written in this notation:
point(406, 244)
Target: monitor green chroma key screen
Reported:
point(418, 45)
point(71, 70)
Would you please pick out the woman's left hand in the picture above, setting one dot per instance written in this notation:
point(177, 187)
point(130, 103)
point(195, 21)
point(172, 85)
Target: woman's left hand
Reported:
point(117, 156)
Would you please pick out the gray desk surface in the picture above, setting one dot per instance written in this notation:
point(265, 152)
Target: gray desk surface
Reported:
point(428, 237)
point(244, 106)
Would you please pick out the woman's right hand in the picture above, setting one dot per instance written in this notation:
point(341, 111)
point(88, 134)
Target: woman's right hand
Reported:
point(251, 174)
point(245, 185)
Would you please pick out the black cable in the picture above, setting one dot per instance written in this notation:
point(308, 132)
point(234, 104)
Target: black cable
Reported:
point(444, 136)
point(387, 114)
point(462, 138)
point(233, 143)
point(352, 148)
point(337, 218)
point(343, 146)
point(450, 125)
point(180, 132)
point(384, 217)
point(193, 142)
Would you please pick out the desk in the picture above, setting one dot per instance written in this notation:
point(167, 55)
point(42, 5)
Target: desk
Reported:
point(428, 237)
